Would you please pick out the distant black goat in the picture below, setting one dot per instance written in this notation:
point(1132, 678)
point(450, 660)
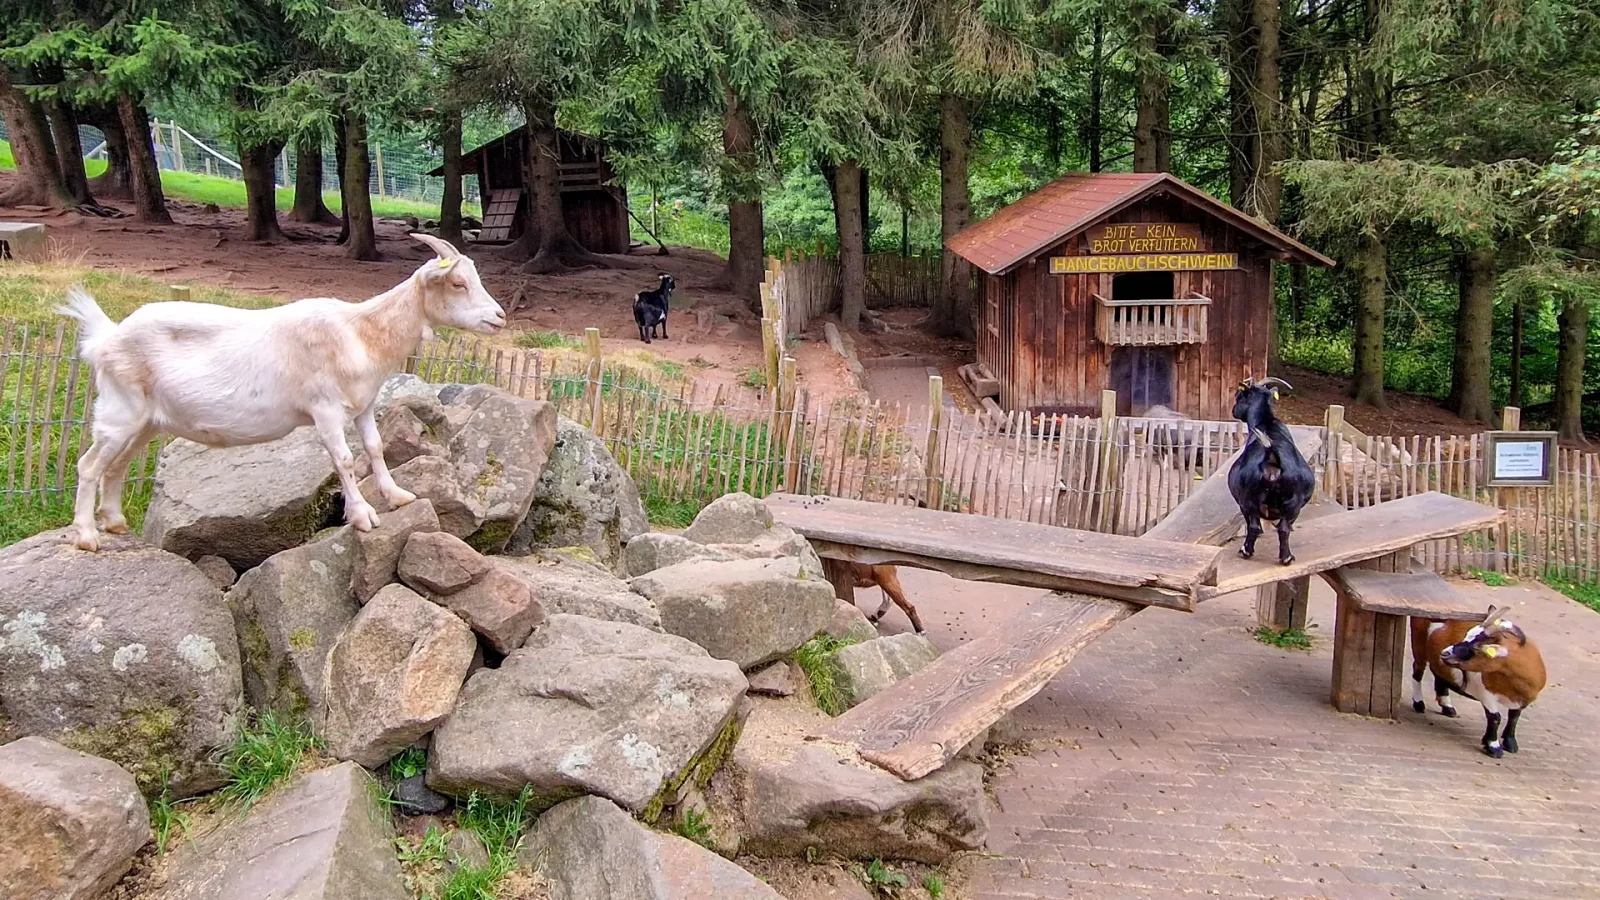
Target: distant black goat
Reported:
point(1271, 480)
point(650, 309)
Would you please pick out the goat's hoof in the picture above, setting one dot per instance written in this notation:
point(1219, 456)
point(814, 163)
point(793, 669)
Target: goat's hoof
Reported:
point(87, 540)
point(874, 619)
point(1510, 745)
point(1495, 751)
point(1246, 553)
point(400, 497)
point(117, 525)
point(1448, 712)
point(1285, 560)
point(1419, 706)
point(363, 517)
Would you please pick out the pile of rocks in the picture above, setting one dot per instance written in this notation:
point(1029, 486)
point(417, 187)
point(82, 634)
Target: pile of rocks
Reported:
point(518, 621)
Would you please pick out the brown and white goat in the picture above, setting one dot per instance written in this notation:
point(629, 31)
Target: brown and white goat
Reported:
point(1493, 662)
point(888, 579)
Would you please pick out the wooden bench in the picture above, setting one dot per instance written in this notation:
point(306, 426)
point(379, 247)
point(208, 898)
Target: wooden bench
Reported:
point(1375, 600)
point(979, 548)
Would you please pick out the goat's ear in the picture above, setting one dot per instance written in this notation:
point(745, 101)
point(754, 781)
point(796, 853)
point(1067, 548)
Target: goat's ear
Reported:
point(444, 248)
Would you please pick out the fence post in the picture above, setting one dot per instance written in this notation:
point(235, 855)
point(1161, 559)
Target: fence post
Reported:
point(1333, 428)
point(933, 467)
point(769, 342)
point(177, 146)
point(1508, 499)
point(283, 160)
point(378, 149)
point(591, 383)
point(178, 292)
point(1106, 518)
point(784, 421)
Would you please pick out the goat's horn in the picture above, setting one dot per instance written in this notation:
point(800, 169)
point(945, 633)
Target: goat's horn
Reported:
point(1273, 379)
point(1495, 612)
point(441, 247)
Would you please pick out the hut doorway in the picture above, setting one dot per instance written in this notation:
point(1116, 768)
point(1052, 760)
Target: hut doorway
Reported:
point(1142, 376)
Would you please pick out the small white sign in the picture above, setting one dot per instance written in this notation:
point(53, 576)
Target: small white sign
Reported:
point(1519, 459)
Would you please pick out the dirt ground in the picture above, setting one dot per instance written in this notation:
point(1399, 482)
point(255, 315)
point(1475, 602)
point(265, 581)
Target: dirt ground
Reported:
point(712, 334)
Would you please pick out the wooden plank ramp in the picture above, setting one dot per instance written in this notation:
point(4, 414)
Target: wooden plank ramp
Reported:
point(979, 548)
point(1350, 537)
point(1417, 593)
point(919, 724)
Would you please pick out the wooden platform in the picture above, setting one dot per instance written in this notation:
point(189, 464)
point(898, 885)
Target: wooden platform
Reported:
point(979, 548)
point(1418, 593)
point(1351, 537)
point(916, 727)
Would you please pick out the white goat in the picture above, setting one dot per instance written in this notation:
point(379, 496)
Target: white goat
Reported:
point(227, 377)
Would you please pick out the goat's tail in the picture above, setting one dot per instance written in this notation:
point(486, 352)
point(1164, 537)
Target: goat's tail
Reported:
point(94, 326)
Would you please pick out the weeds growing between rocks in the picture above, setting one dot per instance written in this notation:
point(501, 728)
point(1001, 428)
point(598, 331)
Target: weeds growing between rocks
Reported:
point(813, 658)
point(267, 751)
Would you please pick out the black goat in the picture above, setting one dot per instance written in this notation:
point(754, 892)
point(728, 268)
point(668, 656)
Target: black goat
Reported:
point(650, 309)
point(1271, 480)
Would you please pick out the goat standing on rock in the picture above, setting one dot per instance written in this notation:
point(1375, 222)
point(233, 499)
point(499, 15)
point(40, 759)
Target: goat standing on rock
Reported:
point(1492, 662)
point(226, 377)
point(1270, 480)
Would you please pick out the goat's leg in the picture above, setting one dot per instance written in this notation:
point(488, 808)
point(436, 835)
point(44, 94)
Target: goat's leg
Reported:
point(118, 422)
point(90, 466)
point(664, 325)
point(1285, 525)
point(892, 589)
point(1252, 530)
point(114, 476)
point(367, 427)
point(1509, 739)
point(1441, 693)
point(1417, 668)
point(1491, 733)
point(882, 607)
point(330, 423)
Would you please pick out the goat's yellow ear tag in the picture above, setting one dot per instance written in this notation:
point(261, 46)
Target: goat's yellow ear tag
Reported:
point(1274, 393)
point(444, 263)
point(1491, 651)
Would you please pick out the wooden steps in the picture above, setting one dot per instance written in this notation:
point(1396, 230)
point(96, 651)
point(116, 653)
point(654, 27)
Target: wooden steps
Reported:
point(1418, 593)
point(918, 725)
point(1351, 537)
point(499, 215)
point(979, 548)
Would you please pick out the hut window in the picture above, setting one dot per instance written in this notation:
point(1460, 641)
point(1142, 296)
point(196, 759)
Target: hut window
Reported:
point(1142, 286)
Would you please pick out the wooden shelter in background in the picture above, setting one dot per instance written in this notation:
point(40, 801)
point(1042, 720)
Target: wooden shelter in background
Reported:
point(1139, 283)
point(595, 209)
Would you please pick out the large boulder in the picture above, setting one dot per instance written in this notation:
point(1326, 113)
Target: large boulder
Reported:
point(73, 822)
point(128, 654)
point(789, 797)
point(657, 550)
point(566, 584)
point(849, 623)
point(589, 850)
point(583, 498)
point(750, 611)
point(287, 612)
point(392, 675)
point(378, 550)
point(870, 667)
point(326, 836)
point(592, 707)
point(439, 563)
point(461, 511)
point(499, 452)
point(741, 527)
point(242, 503)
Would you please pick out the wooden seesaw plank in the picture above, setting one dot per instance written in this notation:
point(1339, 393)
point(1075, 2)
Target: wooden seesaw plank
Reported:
point(925, 720)
point(1350, 537)
point(979, 548)
point(1417, 593)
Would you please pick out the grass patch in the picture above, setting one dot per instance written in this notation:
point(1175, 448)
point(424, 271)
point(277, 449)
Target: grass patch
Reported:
point(499, 823)
point(754, 377)
point(29, 292)
point(813, 658)
point(934, 885)
point(166, 819)
point(670, 513)
point(1583, 592)
point(1283, 639)
point(267, 752)
point(693, 825)
point(546, 340)
point(409, 764)
point(1492, 579)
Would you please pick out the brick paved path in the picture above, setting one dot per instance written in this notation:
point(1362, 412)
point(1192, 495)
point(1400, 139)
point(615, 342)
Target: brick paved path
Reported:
point(1177, 756)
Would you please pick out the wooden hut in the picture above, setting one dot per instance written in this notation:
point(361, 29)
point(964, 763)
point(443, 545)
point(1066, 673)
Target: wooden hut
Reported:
point(596, 210)
point(1136, 282)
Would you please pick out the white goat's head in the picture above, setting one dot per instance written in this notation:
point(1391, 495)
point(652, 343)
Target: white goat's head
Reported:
point(452, 293)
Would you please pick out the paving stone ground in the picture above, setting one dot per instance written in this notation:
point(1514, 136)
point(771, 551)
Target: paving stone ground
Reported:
point(1178, 756)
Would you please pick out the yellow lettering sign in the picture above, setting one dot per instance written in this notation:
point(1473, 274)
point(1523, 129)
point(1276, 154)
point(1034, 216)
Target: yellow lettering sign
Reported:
point(1143, 262)
point(1146, 237)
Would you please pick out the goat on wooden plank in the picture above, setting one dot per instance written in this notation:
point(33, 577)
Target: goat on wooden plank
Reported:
point(650, 308)
point(1270, 480)
point(226, 377)
point(1493, 662)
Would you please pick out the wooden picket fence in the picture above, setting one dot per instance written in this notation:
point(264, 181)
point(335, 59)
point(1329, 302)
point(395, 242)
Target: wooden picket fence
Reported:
point(686, 442)
point(807, 288)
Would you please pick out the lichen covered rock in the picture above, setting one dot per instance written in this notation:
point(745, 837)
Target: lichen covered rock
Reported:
point(565, 584)
point(750, 611)
point(583, 498)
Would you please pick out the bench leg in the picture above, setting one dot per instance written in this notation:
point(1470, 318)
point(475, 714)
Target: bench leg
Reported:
point(1282, 604)
point(1369, 657)
point(843, 578)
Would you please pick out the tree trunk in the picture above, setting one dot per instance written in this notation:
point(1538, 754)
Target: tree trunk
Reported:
point(852, 263)
point(1372, 264)
point(1573, 324)
point(355, 193)
point(1152, 129)
point(39, 180)
point(1241, 88)
point(1518, 323)
point(149, 203)
point(1470, 373)
point(746, 236)
point(952, 314)
point(1097, 80)
point(117, 181)
point(547, 245)
point(260, 192)
point(69, 150)
point(341, 154)
point(450, 203)
point(308, 205)
point(1266, 189)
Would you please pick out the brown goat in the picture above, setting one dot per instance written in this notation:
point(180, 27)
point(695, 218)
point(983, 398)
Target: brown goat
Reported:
point(1492, 662)
point(888, 579)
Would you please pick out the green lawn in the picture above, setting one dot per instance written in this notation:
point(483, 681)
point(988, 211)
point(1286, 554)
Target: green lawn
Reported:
point(228, 192)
